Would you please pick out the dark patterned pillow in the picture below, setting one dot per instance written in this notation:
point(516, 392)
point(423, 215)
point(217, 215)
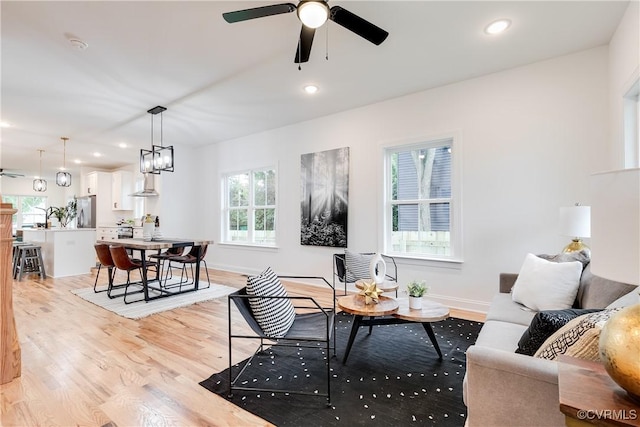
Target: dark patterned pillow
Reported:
point(579, 332)
point(543, 325)
point(357, 265)
point(274, 315)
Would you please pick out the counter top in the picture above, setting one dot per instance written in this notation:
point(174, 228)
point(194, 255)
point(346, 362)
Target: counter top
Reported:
point(58, 229)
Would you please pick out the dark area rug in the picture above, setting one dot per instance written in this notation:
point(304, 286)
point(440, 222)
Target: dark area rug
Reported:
point(392, 378)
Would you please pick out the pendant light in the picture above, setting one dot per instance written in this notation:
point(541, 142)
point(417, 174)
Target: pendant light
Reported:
point(159, 158)
point(39, 184)
point(63, 178)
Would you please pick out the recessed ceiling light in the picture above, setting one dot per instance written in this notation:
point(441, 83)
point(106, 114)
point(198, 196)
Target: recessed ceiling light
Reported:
point(96, 154)
point(122, 145)
point(311, 89)
point(5, 125)
point(497, 27)
point(77, 161)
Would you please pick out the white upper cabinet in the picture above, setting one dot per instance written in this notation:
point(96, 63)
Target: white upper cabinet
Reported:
point(121, 189)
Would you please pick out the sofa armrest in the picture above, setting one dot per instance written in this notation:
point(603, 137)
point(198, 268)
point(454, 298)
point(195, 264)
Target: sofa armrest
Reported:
point(507, 280)
point(508, 389)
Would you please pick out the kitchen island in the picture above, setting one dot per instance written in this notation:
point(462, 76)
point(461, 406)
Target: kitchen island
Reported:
point(65, 251)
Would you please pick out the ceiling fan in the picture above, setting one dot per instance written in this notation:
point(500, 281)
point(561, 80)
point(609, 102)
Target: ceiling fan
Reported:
point(9, 174)
point(313, 14)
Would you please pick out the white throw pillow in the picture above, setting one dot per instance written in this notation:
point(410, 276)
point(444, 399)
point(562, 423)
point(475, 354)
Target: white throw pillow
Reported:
point(546, 285)
point(631, 298)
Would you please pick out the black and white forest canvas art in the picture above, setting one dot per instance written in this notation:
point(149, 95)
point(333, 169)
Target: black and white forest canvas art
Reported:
point(324, 198)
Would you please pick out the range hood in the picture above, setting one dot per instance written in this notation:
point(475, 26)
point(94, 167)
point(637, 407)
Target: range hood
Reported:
point(149, 190)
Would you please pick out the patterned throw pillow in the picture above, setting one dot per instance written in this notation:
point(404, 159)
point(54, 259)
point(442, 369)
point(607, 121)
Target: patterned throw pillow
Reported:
point(274, 315)
point(357, 265)
point(578, 338)
point(543, 325)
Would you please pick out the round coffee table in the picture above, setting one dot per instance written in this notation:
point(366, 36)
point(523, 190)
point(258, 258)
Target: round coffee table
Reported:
point(391, 311)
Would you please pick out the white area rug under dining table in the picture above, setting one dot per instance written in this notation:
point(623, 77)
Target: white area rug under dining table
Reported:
point(137, 310)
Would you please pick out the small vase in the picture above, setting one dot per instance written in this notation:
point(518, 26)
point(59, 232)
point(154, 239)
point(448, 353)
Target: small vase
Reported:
point(415, 303)
point(147, 231)
point(377, 269)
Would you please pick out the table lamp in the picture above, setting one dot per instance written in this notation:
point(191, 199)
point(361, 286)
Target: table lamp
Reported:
point(575, 221)
point(615, 255)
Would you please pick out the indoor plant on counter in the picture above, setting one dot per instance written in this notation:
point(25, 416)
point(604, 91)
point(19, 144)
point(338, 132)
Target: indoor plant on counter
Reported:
point(64, 214)
point(416, 290)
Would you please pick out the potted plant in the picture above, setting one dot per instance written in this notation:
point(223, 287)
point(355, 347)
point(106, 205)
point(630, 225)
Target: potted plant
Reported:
point(64, 214)
point(416, 290)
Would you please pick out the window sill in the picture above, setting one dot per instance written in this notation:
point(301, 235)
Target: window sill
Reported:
point(250, 246)
point(407, 259)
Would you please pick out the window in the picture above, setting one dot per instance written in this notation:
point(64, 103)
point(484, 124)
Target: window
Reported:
point(250, 207)
point(30, 211)
point(420, 201)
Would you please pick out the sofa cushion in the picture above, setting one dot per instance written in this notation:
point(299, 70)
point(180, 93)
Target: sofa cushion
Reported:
point(504, 309)
point(274, 315)
point(578, 338)
point(547, 285)
point(631, 298)
point(500, 335)
point(597, 292)
point(543, 325)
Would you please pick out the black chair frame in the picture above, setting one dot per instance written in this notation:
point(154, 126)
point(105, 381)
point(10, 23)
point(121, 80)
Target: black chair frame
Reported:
point(340, 269)
point(316, 315)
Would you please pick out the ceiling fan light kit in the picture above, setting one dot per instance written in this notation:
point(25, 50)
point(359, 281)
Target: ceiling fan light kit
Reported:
point(159, 158)
point(63, 178)
point(313, 14)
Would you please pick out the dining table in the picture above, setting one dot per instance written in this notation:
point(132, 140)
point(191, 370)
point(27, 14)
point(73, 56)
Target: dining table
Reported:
point(157, 245)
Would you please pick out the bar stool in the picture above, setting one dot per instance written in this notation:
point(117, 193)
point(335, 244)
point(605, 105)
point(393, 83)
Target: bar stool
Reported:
point(16, 256)
point(29, 261)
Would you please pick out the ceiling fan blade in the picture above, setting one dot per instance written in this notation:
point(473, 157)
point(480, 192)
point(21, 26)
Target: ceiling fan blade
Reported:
point(258, 12)
point(303, 51)
point(361, 27)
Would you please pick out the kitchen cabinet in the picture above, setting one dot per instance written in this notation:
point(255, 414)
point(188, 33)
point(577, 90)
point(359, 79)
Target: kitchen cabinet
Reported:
point(65, 251)
point(121, 189)
point(95, 183)
point(107, 233)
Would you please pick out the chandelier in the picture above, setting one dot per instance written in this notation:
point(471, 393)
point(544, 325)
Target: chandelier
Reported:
point(63, 178)
point(39, 184)
point(159, 158)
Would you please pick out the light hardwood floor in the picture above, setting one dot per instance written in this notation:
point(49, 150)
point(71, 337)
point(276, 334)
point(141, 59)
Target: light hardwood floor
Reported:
point(82, 365)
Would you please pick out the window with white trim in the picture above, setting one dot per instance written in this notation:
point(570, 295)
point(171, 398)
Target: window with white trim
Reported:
point(31, 210)
point(250, 207)
point(421, 201)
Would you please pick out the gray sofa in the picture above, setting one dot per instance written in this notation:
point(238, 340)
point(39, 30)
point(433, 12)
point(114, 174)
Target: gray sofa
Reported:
point(503, 388)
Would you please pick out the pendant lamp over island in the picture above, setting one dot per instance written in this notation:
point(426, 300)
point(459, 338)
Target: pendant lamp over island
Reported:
point(159, 158)
point(63, 178)
point(39, 184)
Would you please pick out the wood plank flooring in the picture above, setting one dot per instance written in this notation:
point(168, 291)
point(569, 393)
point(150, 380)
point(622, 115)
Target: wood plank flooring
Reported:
point(82, 365)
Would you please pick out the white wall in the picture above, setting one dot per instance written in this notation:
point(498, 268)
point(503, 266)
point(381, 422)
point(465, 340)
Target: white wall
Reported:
point(530, 137)
point(624, 70)
point(56, 196)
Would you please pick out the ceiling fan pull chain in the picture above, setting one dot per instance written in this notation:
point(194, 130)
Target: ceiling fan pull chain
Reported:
point(299, 53)
point(326, 56)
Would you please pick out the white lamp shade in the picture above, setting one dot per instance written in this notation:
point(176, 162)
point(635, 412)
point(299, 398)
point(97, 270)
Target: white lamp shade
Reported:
point(313, 13)
point(575, 221)
point(615, 241)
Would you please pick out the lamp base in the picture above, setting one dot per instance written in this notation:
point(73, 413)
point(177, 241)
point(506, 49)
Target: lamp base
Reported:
point(576, 245)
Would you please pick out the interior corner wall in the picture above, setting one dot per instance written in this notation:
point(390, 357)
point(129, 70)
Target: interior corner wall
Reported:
point(624, 70)
point(529, 138)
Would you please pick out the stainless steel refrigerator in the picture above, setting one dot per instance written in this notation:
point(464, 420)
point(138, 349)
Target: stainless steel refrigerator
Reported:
point(86, 212)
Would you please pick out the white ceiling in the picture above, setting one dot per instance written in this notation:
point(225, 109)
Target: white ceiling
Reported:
point(221, 81)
